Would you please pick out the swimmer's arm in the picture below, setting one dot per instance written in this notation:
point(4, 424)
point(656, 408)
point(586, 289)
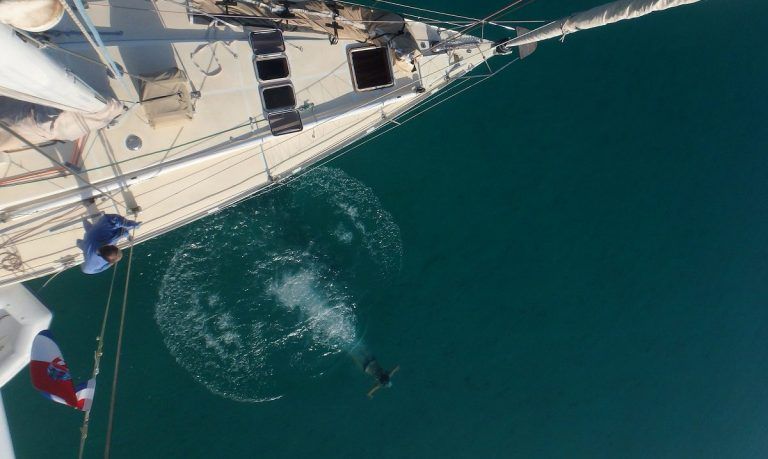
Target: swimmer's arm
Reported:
point(373, 390)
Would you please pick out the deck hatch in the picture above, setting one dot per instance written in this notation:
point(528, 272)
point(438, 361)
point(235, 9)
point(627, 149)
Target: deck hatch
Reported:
point(272, 68)
point(371, 68)
point(278, 97)
point(269, 42)
point(285, 122)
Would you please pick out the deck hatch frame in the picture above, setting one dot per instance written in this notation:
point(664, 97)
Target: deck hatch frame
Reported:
point(266, 42)
point(285, 122)
point(266, 68)
point(275, 98)
point(371, 68)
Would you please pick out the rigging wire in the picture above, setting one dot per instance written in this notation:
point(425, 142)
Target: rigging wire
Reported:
point(133, 158)
point(21, 234)
point(332, 157)
point(340, 143)
point(343, 140)
point(83, 30)
point(504, 43)
point(426, 10)
point(248, 123)
point(427, 100)
point(483, 21)
point(151, 153)
point(423, 19)
point(118, 349)
point(56, 47)
point(100, 50)
point(289, 179)
point(71, 169)
point(463, 22)
point(96, 361)
point(341, 153)
point(400, 123)
point(215, 17)
point(99, 351)
point(390, 92)
point(466, 20)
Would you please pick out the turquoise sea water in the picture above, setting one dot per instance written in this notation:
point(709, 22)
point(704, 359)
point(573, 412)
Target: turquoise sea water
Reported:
point(569, 260)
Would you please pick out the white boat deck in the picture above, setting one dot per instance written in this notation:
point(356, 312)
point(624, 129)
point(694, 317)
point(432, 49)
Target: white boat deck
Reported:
point(43, 206)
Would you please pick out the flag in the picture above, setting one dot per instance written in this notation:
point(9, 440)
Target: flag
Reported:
point(50, 375)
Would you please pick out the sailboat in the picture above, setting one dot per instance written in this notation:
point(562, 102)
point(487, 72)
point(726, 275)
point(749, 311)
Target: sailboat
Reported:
point(171, 110)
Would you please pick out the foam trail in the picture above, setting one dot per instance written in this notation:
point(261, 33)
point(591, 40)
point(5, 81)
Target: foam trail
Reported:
point(326, 317)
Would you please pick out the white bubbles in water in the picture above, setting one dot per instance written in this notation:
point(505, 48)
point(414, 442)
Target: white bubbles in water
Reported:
point(201, 333)
point(360, 214)
point(343, 234)
point(258, 298)
point(330, 321)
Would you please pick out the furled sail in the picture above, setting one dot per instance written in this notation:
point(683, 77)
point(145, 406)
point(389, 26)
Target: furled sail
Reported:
point(338, 21)
point(596, 17)
point(28, 73)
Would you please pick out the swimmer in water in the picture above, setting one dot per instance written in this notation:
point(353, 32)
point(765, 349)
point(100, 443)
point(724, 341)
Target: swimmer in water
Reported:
point(382, 377)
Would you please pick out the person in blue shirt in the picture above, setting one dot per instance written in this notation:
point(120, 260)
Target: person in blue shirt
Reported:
point(98, 245)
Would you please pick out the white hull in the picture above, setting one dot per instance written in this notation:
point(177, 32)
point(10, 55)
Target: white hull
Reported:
point(224, 153)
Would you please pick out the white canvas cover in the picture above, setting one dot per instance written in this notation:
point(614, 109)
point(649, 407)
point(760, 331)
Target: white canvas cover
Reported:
point(166, 97)
point(597, 17)
point(31, 15)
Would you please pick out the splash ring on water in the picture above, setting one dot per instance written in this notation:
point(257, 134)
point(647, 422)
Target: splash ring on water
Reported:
point(257, 299)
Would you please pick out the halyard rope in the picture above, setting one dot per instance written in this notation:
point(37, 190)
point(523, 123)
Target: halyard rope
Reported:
point(110, 422)
point(97, 360)
point(83, 30)
point(98, 47)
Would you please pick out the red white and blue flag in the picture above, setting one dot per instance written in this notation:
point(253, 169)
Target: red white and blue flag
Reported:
point(50, 375)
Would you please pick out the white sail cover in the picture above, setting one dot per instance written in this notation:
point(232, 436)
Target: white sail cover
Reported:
point(597, 17)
